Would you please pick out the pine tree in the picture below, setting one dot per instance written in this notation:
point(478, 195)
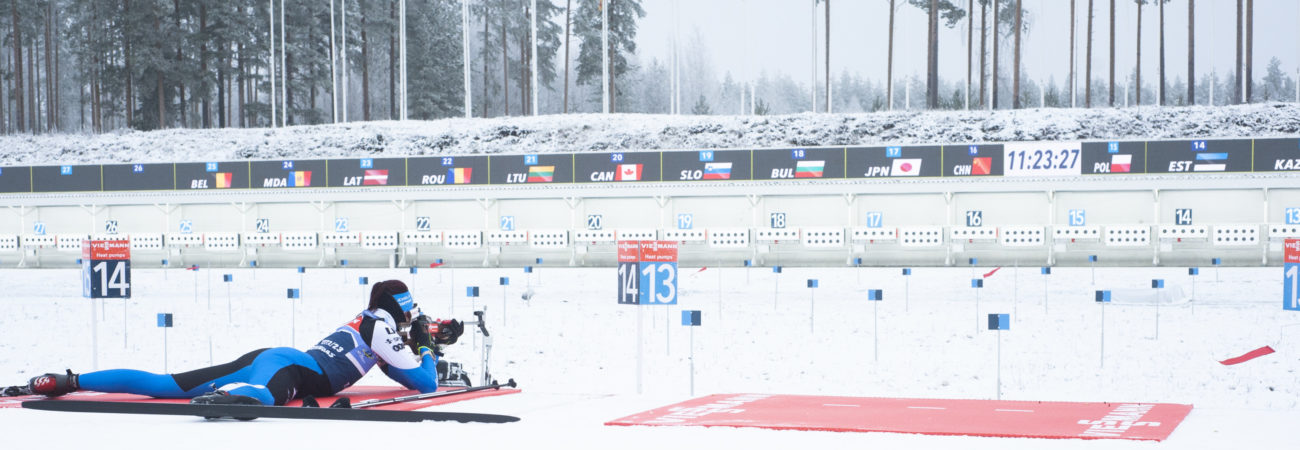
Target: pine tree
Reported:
point(623, 16)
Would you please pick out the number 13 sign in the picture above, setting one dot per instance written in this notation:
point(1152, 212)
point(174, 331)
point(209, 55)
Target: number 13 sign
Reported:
point(647, 272)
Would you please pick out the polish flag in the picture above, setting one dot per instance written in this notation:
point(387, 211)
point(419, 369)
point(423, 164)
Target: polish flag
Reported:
point(1121, 163)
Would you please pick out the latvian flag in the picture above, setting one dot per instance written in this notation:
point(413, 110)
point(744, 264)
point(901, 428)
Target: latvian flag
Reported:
point(299, 178)
point(809, 169)
point(628, 172)
point(541, 174)
point(376, 177)
point(1121, 163)
point(717, 171)
point(460, 175)
point(223, 179)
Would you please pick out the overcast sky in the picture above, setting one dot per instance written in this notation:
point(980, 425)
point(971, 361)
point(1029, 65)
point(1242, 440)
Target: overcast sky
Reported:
point(744, 36)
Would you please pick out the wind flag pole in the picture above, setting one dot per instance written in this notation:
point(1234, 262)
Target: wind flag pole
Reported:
point(604, 55)
point(344, 44)
point(464, 43)
point(284, 74)
point(334, 81)
point(270, 9)
point(532, 57)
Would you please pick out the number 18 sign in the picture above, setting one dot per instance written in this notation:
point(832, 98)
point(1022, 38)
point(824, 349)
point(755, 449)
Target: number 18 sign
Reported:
point(647, 272)
point(1291, 276)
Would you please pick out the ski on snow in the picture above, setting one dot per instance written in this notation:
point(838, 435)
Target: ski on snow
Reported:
point(249, 412)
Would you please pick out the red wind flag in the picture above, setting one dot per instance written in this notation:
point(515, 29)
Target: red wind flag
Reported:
point(1248, 356)
point(992, 272)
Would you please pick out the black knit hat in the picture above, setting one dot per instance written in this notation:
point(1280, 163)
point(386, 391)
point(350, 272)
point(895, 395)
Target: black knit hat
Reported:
point(391, 296)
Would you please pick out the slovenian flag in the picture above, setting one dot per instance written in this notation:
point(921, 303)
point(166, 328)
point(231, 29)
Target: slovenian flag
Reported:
point(906, 167)
point(809, 169)
point(541, 174)
point(376, 177)
point(717, 171)
point(1210, 162)
point(628, 172)
point(1121, 163)
point(460, 175)
point(223, 179)
point(299, 178)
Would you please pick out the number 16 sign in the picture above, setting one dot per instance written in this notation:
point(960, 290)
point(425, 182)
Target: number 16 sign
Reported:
point(647, 272)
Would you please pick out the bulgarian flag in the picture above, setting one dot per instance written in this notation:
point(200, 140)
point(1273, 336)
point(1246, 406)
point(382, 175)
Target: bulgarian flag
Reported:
point(809, 169)
point(541, 174)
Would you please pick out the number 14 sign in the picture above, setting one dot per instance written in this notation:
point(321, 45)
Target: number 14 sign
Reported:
point(647, 272)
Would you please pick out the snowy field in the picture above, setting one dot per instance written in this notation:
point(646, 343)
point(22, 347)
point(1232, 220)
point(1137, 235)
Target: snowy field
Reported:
point(574, 351)
point(589, 132)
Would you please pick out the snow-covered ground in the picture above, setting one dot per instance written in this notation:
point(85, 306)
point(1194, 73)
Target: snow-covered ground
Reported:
point(589, 132)
point(573, 350)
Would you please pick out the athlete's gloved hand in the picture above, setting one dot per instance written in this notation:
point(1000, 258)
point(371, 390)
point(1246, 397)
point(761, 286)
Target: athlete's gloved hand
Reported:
point(422, 334)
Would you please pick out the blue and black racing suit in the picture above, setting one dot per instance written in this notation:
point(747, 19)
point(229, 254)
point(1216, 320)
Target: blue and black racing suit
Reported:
point(276, 375)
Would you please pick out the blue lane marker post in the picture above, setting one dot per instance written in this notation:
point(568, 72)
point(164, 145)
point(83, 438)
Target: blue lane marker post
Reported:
point(1103, 297)
point(776, 284)
point(1192, 273)
point(164, 322)
point(413, 271)
point(857, 266)
point(875, 296)
point(164, 269)
point(1045, 271)
point(907, 288)
point(812, 304)
point(344, 264)
point(539, 274)
point(1216, 262)
point(1159, 286)
point(691, 318)
point(1092, 261)
point(977, 284)
point(748, 264)
point(294, 295)
point(503, 282)
point(228, 278)
point(472, 293)
point(999, 322)
point(301, 273)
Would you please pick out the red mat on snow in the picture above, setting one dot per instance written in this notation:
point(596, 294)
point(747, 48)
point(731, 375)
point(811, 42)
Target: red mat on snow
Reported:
point(356, 393)
point(1052, 420)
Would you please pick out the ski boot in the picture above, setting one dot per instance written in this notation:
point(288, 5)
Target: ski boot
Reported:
point(53, 384)
point(220, 397)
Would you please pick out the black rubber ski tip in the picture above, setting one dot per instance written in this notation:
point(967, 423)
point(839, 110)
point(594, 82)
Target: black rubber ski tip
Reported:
point(310, 402)
point(342, 402)
point(511, 383)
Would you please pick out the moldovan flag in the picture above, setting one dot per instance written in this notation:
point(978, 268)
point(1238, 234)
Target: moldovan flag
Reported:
point(906, 168)
point(376, 177)
point(300, 178)
point(717, 171)
point(541, 174)
point(628, 172)
point(981, 166)
point(809, 169)
point(460, 175)
point(1248, 356)
point(223, 179)
point(1121, 163)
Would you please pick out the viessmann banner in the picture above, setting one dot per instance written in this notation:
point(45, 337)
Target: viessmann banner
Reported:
point(1012, 159)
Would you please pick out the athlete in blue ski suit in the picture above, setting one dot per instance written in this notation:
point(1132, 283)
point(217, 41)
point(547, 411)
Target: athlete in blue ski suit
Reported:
point(273, 376)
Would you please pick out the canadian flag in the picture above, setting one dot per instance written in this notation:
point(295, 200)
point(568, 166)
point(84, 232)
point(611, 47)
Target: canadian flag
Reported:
point(628, 172)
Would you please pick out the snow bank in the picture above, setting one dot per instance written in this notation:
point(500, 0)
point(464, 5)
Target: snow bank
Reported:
point(591, 132)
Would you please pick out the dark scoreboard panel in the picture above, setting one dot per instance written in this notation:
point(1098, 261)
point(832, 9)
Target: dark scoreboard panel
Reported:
point(139, 177)
point(1277, 155)
point(212, 175)
point(707, 165)
point(1208, 156)
point(531, 169)
point(1013, 159)
point(66, 178)
point(289, 174)
point(15, 179)
point(799, 163)
point(974, 160)
point(616, 167)
point(366, 172)
point(904, 161)
point(446, 170)
point(1114, 157)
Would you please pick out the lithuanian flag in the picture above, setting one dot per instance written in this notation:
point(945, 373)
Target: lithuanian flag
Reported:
point(541, 174)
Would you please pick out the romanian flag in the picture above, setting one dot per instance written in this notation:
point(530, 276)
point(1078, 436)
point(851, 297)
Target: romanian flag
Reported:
point(460, 175)
point(809, 169)
point(299, 178)
point(223, 179)
point(541, 174)
point(981, 166)
point(375, 177)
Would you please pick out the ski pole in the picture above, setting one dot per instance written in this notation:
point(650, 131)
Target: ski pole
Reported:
point(407, 398)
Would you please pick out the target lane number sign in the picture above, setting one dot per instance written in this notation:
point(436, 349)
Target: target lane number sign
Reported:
point(1291, 276)
point(106, 269)
point(647, 272)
